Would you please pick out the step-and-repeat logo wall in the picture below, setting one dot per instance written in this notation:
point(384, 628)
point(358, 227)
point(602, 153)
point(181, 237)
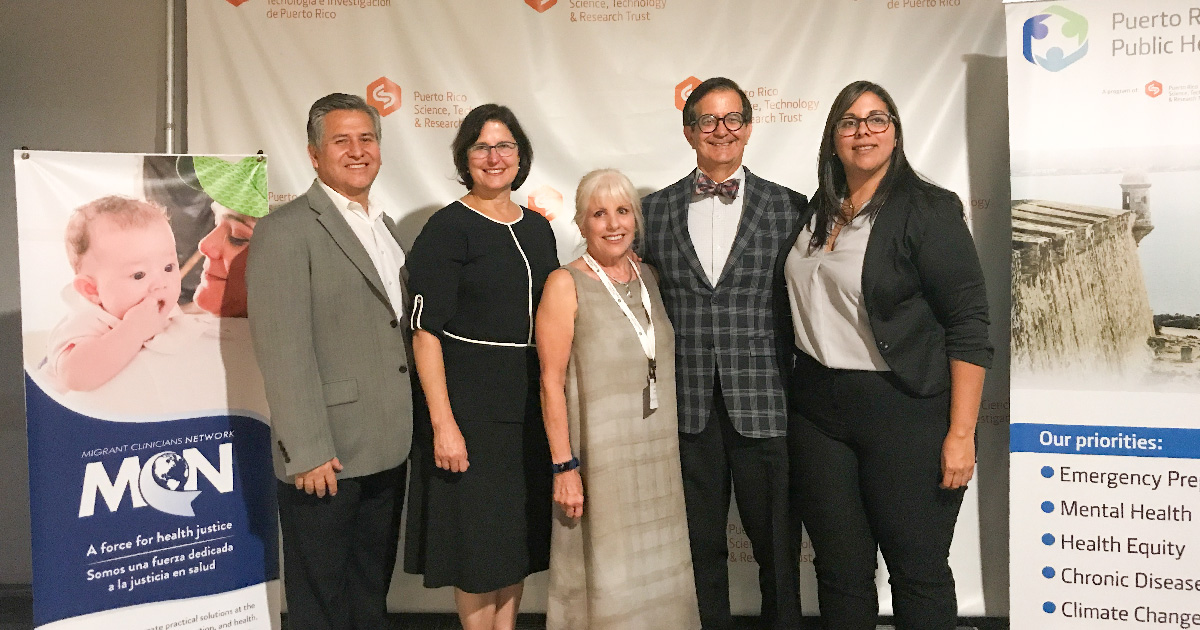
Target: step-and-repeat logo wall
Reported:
point(601, 83)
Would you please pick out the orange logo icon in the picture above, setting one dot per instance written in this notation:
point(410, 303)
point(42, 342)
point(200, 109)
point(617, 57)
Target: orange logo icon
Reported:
point(237, 3)
point(1153, 89)
point(541, 6)
point(383, 95)
point(546, 201)
point(684, 90)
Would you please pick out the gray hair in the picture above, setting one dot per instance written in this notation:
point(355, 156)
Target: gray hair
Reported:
point(611, 184)
point(334, 102)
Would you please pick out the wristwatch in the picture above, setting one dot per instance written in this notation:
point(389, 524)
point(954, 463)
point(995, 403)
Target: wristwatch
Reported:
point(570, 464)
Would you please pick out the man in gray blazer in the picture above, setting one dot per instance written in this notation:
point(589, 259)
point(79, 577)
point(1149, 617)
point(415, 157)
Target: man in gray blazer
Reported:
point(715, 237)
point(326, 298)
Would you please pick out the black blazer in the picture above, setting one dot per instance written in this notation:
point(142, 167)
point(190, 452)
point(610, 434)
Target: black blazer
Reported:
point(922, 287)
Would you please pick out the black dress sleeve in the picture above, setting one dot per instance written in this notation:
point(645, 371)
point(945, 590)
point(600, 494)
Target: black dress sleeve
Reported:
point(542, 251)
point(434, 270)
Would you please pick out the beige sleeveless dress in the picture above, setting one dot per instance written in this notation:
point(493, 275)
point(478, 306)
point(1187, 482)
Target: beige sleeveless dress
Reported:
point(626, 564)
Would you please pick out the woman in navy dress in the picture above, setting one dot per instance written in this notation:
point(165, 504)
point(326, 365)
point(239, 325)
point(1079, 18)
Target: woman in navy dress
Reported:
point(479, 513)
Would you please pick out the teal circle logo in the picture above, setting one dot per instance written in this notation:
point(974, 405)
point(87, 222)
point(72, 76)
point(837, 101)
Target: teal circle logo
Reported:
point(1054, 39)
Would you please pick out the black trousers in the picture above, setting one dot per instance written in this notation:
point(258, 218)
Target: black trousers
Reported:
point(339, 551)
point(758, 469)
point(866, 463)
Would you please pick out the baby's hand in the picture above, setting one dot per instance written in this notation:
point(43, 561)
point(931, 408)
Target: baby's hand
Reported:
point(148, 317)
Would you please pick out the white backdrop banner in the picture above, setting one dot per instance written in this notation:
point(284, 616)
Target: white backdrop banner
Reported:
point(1105, 439)
point(600, 83)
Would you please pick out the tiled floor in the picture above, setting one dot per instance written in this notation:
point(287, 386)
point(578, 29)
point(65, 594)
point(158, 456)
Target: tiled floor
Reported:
point(16, 613)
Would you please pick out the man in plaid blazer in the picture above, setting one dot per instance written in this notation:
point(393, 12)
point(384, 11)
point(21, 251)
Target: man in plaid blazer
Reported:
point(716, 236)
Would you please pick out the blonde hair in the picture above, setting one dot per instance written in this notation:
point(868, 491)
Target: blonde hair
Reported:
point(611, 184)
point(124, 211)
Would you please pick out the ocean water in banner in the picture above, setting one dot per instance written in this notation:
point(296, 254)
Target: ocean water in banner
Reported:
point(152, 491)
point(1105, 441)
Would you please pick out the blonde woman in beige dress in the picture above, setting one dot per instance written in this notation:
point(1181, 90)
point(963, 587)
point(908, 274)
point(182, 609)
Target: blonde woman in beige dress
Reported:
point(619, 555)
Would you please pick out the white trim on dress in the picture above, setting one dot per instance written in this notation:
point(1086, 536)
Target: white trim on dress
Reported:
point(516, 220)
point(419, 301)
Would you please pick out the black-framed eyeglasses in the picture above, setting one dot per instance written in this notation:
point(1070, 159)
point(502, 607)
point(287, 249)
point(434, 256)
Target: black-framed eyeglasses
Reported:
point(708, 123)
point(481, 150)
point(876, 123)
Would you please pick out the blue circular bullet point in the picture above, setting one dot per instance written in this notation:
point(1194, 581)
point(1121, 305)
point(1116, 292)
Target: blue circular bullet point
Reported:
point(1048, 607)
point(1047, 539)
point(1048, 572)
point(1047, 507)
point(1047, 472)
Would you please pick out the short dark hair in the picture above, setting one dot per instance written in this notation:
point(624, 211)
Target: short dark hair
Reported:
point(715, 84)
point(468, 133)
point(334, 102)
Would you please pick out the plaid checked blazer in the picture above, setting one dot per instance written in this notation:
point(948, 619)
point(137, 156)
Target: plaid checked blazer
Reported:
point(734, 328)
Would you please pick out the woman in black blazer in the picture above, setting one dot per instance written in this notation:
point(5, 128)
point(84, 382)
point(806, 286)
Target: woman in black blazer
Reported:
point(889, 318)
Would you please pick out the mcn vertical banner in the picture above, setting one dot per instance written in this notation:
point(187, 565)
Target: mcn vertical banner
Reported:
point(1105, 437)
point(601, 84)
point(152, 491)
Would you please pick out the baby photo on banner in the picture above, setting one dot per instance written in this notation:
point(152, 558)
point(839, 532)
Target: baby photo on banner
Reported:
point(151, 484)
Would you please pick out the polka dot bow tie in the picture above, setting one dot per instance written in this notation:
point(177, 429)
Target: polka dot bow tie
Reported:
point(727, 189)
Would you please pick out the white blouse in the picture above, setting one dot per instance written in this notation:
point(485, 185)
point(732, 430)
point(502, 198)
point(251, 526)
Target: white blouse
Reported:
point(825, 294)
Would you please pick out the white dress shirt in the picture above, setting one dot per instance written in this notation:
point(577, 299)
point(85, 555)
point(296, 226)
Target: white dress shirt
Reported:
point(367, 224)
point(712, 224)
point(825, 294)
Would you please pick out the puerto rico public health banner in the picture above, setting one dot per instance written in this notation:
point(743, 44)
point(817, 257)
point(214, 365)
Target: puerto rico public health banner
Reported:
point(600, 83)
point(151, 485)
point(1105, 435)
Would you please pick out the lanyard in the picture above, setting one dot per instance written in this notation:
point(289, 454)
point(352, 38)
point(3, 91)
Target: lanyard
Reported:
point(644, 335)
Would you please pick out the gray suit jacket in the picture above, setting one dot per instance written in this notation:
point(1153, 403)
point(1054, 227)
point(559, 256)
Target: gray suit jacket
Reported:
point(335, 357)
point(729, 328)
